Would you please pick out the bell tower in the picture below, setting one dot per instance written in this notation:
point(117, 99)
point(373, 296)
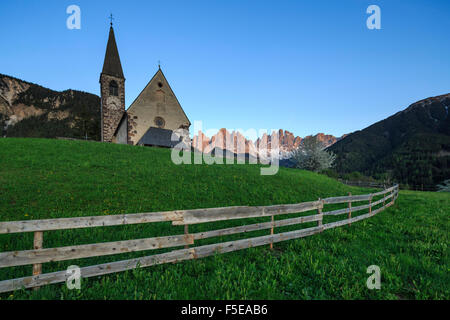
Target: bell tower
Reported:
point(112, 89)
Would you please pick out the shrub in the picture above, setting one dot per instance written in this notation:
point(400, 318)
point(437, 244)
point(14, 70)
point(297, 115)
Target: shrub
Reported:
point(311, 155)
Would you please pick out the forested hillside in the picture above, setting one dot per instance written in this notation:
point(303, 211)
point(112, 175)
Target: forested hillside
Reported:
point(411, 147)
point(30, 110)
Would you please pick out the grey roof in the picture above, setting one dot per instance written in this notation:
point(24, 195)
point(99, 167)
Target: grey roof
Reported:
point(123, 118)
point(112, 65)
point(158, 137)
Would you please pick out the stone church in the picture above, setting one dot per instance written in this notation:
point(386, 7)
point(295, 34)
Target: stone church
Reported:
point(153, 116)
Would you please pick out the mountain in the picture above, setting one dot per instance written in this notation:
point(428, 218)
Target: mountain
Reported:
point(238, 144)
point(30, 110)
point(412, 146)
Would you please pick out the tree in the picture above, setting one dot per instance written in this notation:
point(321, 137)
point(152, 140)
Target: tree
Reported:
point(311, 155)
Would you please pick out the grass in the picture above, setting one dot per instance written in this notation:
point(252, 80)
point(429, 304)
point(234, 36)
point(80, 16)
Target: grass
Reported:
point(49, 179)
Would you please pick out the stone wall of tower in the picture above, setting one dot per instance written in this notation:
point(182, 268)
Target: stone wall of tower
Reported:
point(113, 107)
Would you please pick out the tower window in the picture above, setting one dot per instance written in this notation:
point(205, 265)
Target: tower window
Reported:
point(113, 88)
point(160, 84)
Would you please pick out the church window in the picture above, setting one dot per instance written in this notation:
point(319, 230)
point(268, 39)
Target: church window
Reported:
point(159, 122)
point(113, 88)
point(160, 84)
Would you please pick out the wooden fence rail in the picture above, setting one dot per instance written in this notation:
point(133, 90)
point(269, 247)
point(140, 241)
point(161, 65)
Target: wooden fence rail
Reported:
point(40, 255)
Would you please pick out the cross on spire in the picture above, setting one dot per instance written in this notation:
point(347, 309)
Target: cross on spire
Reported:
point(111, 19)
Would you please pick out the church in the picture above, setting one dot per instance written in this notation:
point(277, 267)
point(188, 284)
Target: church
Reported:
point(151, 119)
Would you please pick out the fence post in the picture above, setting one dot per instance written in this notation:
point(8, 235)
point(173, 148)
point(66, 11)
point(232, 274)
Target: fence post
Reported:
point(370, 204)
point(271, 233)
point(37, 244)
point(186, 232)
point(349, 208)
point(319, 211)
point(394, 195)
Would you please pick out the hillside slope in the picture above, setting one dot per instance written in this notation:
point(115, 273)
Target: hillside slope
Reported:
point(412, 146)
point(42, 178)
point(30, 110)
point(76, 177)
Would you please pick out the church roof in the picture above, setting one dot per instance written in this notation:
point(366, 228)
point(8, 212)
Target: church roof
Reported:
point(158, 137)
point(112, 65)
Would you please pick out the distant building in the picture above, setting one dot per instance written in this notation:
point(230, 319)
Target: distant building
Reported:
point(153, 116)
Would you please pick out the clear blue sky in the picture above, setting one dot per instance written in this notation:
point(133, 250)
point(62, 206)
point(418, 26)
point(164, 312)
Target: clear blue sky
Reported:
point(303, 66)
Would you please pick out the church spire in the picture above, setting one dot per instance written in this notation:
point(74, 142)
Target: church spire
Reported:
point(112, 65)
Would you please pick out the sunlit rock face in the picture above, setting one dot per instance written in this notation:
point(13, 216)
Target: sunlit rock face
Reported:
point(235, 142)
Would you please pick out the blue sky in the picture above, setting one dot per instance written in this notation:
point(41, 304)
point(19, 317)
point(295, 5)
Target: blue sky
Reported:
point(303, 66)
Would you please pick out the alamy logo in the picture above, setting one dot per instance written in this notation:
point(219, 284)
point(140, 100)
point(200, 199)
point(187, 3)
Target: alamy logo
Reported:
point(374, 281)
point(73, 278)
point(74, 20)
point(374, 21)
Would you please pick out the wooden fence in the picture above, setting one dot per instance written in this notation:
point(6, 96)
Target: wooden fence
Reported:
point(40, 255)
point(364, 184)
point(372, 184)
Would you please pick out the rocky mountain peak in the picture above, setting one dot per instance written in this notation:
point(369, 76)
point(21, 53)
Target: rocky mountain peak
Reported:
point(235, 141)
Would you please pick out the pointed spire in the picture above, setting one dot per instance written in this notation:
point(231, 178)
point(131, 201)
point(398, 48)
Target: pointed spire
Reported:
point(112, 65)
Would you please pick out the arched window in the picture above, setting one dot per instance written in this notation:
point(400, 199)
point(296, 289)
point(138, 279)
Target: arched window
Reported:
point(113, 88)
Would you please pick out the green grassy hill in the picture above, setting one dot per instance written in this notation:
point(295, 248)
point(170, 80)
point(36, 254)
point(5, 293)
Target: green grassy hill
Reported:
point(50, 179)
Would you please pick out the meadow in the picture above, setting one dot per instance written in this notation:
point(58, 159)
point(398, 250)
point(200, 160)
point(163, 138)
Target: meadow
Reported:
point(42, 178)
